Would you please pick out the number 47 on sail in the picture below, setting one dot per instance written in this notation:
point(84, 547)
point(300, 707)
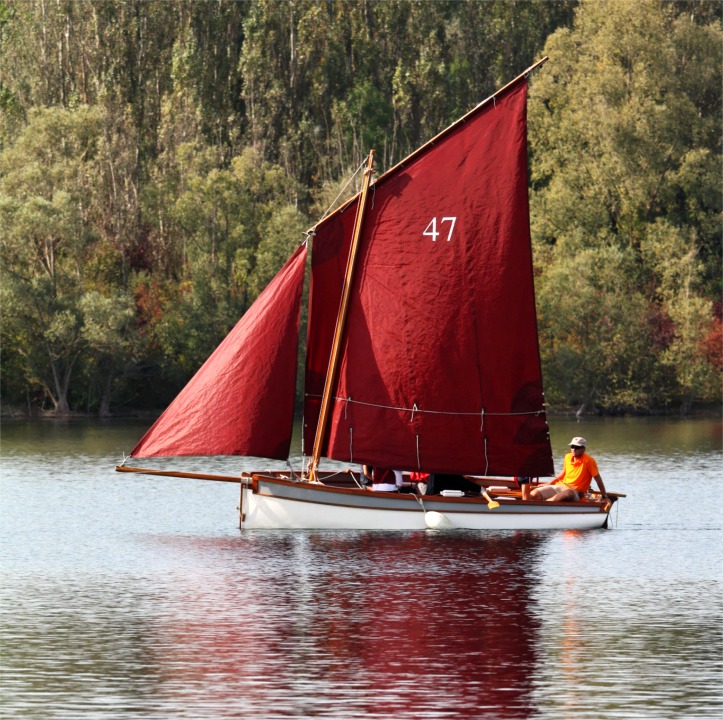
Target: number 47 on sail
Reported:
point(431, 229)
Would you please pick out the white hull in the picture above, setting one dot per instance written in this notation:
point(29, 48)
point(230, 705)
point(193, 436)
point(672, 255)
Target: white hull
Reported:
point(270, 502)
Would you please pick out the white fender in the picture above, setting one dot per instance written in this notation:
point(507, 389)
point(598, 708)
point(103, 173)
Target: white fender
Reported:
point(436, 521)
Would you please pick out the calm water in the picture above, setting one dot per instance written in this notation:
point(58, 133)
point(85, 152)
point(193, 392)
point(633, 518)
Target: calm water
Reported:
point(137, 597)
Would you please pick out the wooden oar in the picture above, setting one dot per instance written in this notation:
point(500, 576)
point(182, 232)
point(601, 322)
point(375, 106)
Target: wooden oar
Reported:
point(193, 476)
point(491, 504)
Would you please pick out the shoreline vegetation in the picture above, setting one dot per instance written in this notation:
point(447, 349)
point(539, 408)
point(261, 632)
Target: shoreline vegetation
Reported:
point(7, 412)
point(161, 159)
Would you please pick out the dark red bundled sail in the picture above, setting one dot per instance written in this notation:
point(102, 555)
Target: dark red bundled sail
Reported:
point(241, 401)
point(440, 367)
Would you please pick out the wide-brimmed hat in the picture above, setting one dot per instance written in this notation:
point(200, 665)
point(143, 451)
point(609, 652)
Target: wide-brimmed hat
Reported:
point(580, 441)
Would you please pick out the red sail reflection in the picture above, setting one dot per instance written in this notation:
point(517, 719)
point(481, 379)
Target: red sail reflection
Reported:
point(381, 625)
point(446, 623)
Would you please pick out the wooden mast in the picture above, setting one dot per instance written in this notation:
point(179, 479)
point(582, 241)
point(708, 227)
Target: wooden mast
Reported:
point(332, 372)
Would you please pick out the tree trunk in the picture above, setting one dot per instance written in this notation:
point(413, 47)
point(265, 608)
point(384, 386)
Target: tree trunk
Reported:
point(686, 404)
point(61, 383)
point(104, 409)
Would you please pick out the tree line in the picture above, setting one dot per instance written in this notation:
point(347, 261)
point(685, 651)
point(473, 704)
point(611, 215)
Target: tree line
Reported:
point(160, 159)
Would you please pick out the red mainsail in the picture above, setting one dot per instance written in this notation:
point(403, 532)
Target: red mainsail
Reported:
point(440, 366)
point(241, 401)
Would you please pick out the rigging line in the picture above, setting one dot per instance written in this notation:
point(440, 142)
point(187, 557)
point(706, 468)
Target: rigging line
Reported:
point(414, 409)
point(335, 355)
point(484, 440)
point(341, 298)
point(333, 202)
point(333, 475)
point(487, 460)
point(419, 500)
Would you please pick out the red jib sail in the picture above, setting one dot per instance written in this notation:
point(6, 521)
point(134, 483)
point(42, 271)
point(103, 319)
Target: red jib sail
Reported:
point(241, 401)
point(440, 364)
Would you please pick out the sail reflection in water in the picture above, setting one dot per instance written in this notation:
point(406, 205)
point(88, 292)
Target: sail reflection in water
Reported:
point(400, 626)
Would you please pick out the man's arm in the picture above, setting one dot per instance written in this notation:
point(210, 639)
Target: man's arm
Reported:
point(599, 482)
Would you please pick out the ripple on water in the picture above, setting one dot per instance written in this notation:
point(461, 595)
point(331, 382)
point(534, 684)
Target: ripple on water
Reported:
point(127, 597)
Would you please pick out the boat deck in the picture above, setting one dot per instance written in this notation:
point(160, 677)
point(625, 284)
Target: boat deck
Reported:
point(500, 489)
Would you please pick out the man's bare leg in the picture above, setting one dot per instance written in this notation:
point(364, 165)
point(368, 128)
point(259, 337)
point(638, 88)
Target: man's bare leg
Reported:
point(564, 496)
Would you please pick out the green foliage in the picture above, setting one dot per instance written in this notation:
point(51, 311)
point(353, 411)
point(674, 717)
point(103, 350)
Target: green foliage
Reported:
point(45, 192)
point(159, 161)
point(625, 157)
point(109, 343)
point(595, 330)
point(323, 79)
point(234, 228)
point(674, 260)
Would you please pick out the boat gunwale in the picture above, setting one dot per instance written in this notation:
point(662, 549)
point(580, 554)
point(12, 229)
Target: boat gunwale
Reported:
point(408, 498)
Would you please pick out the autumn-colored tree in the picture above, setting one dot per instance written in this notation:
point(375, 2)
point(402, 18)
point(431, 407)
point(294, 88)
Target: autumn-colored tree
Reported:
point(626, 163)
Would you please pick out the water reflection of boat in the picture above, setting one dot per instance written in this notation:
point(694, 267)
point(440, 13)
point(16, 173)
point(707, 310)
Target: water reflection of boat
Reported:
point(384, 625)
point(462, 639)
point(422, 350)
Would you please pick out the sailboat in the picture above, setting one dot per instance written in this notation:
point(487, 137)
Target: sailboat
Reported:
point(421, 354)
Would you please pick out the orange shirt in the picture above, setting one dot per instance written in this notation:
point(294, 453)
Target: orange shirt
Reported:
point(578, 473)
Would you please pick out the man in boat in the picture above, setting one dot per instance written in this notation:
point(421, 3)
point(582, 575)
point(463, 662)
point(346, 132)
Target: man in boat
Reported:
point(524, 483)
point(578, 472)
